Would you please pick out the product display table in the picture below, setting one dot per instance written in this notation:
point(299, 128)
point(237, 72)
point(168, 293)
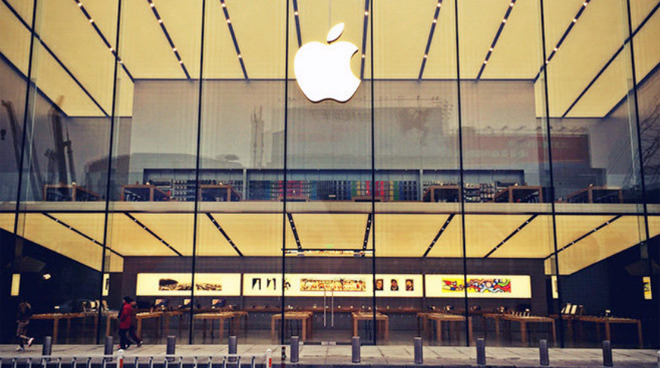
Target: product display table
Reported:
point(439, 318)
point(305, 318)
point(523, 320)
point(381, 319)
point(607, 321)
point(56, 317)
point(220, 316)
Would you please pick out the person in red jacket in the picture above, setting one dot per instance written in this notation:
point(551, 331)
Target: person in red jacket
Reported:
point(125, 318)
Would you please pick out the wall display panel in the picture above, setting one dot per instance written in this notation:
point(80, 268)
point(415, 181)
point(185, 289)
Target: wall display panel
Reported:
point(313, 285)
point(479, 286)
point(180, 284)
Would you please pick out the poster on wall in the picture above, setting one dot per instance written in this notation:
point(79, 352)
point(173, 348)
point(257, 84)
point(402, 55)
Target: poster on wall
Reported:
point(264, 284)
point(180, 284)
point(479, 286)
point(646, 280)
point(337, 285)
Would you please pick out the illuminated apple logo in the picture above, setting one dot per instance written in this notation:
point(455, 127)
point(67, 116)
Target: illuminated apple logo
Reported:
point(324, 71)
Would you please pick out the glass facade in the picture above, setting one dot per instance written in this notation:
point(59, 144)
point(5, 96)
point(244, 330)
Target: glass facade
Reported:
point(494, 175)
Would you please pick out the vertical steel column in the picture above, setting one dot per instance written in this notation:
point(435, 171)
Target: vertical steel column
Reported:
point(551, 171)
point(197, 165)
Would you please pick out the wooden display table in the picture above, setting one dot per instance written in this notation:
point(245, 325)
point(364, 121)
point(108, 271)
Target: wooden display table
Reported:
point(442, 193)
point(439, 318)
point(218, 193)
point(596, 195)
point(606, 321)
point(520, 194)
point(69, 193)
point(220, 316)
point(143, 193)
point(523, 320)
point(56, 317)
point(381, 319)
point(305, 317)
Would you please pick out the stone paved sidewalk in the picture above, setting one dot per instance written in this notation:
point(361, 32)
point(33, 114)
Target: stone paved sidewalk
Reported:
point(379, 356)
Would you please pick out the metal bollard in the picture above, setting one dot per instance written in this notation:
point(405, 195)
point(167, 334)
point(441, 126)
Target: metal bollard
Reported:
point(356, 349)
point(47, 349)
point(481, 351)
point(543, 352)
point(233, 347)
point(607, 354)
point(295, 349)
point(269, 358)
point(419, 350)
point(170, 349)
point(108, 349)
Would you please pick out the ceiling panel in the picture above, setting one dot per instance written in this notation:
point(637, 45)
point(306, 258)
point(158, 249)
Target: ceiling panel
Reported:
point(606, 91)
point(571, 227)
point(104, 13)
point(477, 25)
point(338, 231)
point(611, 239)
point(647, 47)
point(175, 228)
point(517, 53)
point(441, 62)
point(184, 24)
point(449, 244)
point(406, 235)
point(401, 57)
point(259, 27)
point(220, 59)
point(484, 232)
point(639, 9)
point(144, 47)
point(69, 34)
point(24, 8)
point(256, 234)
point(558, 16)
point(7, 221)
point(533, 241)
point(210, 241)
point(14, 39)
point(90, 224)
point(598, 34)
point(129, 239)
point(54, 236)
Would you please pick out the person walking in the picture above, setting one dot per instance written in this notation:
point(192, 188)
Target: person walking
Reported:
point(23, 320)
point(125, 317)
point(133, 328)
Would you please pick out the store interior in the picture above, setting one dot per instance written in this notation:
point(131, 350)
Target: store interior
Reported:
point(495, 175)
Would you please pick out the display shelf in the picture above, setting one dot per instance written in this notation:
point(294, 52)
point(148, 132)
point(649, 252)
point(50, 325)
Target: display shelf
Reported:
point(218, 193)
point(594, 194)
point(442, 193)
point(69, 193)
point(143, 193)
point(520, 194)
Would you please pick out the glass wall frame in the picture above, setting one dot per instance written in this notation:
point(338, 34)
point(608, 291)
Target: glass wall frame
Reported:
point(209, 175)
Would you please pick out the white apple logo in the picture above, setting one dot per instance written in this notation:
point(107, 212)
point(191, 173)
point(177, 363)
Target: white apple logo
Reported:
point(324, 71)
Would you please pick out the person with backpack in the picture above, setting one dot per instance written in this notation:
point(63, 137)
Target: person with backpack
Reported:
point(133, 328)
point(23, 320)
point(125, 317)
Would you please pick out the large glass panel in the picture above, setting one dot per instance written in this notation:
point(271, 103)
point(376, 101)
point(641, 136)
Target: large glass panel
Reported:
point(328, 247)
point(240, 219)
point(60, 227)
point(152, 183)
point(508, 221)
point(418, 219)
point(599, 223)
